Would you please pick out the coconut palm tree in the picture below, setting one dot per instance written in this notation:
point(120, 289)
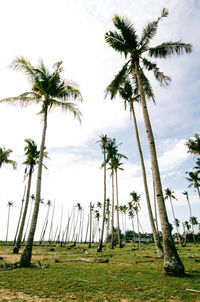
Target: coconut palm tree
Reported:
point(32, 156)
point(136, 206)
point(103, 143)
point(194, 180)
point(169, 194)
point(49, 90)
point(122, 85)
point(126, 41)
point(193, 144)
point(9, 204)
point(4, 158)
point(113, 158)
point(190, 209)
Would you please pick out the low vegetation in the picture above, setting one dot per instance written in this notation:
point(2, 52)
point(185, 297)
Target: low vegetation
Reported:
point(133, 273)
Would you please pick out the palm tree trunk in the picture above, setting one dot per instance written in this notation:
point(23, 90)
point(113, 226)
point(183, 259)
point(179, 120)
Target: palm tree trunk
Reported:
point(25, 259)
point(113, 208)
point(172, 263)
point(90, 237)
point(138, 223)
point(104, 207)
point(133, 229)
point(155, 207)
point(158, 245)
point(8, 223)
point(20, 216)
point(190, 209)
point(175, 220)
point(117, 200)
point(19, 238)
point(86, 234)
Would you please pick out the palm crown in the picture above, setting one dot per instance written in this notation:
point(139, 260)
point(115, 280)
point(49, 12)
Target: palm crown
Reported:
point(126, 41)
point(48, 88)
point(4, 157)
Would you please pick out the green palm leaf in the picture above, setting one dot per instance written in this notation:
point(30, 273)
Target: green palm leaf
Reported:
point(170, 48)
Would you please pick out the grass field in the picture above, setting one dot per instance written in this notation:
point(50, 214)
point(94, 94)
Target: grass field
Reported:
point(132, 274)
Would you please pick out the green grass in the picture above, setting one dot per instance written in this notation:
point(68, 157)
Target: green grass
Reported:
point(125, 278)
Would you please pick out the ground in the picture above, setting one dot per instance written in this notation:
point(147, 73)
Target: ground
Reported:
point(131, 274)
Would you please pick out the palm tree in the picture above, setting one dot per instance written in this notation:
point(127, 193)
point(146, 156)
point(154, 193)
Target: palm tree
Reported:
point(9, 204)
point(32, 156)
point(194, 180)
point(113, 158)
point(103, 144)
point(136, 206)
point(122, 85)
point(193, 144)
point(4, 157)
point(50, 90)
point(169, 195)
point(190, 209)
point(126, 41)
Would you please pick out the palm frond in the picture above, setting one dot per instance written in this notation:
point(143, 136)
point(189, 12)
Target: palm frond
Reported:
point(22, 64)
point(116, 41)
point(160, 77)
point(127, 31)
point(22, 100)
point(150, 30)
point(170, 48)
point(148, 90)
point(67, 107)
point(118, 80)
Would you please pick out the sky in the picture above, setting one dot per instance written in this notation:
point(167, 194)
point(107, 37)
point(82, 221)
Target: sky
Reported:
point(73, 31)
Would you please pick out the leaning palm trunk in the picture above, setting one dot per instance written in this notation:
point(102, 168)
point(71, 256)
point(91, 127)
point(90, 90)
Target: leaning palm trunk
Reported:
point(158, 245)
point(112, 222)
point(25, 259)
point(117, 199)
point(20, 215)
point(172, 262)
point(104, 207)
point(19, 238)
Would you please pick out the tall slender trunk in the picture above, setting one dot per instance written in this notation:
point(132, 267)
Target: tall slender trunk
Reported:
point(190, 209)
point(104, 206)
point(113, 209)
point(172, 263)
point(19, 238)
point(179, 239)
point(133, 229)
point(158, 245)
point(25, 259)
point(86, 234)
point(51, 226)
point(117, 200)
point(20, 216)
point(108, 219)
point(155, 206)
point(90, 236)
point(138, 224)
point(8, 220)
